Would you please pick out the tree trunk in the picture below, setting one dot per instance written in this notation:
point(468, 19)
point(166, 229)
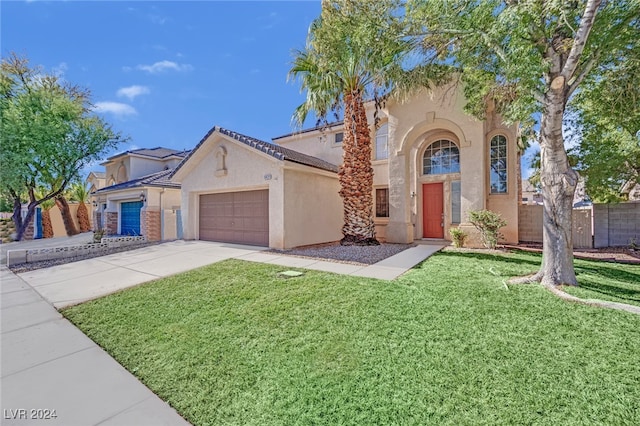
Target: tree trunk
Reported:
point(83, 217)
point(356, 175)
point(17, 217)
point(47, 227)
point(558, 181)
point(67, 218)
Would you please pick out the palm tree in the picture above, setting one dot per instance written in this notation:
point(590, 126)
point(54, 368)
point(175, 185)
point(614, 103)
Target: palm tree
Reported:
point(80, 193)
point(350, 57)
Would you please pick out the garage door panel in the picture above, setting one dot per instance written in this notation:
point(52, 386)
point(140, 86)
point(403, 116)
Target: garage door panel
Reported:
point(235, 217)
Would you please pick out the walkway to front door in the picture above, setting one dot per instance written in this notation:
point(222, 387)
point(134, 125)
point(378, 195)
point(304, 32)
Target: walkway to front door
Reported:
point(432, 210)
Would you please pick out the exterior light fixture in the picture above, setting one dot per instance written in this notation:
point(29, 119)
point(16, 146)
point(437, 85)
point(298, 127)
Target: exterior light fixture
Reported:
point(143, 197)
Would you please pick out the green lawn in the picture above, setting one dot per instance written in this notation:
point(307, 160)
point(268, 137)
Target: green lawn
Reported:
point(447, 343)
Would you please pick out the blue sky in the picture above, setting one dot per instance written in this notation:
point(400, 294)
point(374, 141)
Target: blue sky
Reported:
point(165, 72)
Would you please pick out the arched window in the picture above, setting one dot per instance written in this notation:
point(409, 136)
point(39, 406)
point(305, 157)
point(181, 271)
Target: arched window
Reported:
point(498, 161)
point(122, 174)
point(382, 140)
point(441, 157)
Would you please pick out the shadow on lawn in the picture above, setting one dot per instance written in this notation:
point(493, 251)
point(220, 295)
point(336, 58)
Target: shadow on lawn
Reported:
point(610, 290)
point(499, 257)
point(608, 272)
point(586, 272)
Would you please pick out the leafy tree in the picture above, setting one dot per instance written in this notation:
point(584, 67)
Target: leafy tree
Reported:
point(352, 57)
point(48, 135)
point(607, 119)
point(529, 58)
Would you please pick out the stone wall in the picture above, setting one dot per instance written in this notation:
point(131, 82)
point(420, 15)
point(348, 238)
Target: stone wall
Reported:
point(15, 257)
point(616, 224)
point(611, 225)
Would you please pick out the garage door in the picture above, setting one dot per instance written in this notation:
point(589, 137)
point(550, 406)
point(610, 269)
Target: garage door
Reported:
point(235, 217)
point(130, 218)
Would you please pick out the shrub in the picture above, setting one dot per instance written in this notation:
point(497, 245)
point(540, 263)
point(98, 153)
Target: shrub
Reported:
point(97, 235)
point(489, 224)
point(458, 236)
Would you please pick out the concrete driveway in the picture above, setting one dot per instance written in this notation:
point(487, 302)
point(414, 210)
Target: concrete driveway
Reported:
point(77, 282)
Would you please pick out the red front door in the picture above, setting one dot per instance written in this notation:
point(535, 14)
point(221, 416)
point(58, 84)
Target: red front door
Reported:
point(432, 213)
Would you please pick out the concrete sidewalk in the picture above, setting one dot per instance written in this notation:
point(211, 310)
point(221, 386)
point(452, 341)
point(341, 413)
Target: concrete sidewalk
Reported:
point(49, 364)
point(387, 269)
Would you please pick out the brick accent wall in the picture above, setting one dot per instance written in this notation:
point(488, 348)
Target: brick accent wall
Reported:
point(97, 220)
point(111, 223)
point(29, 232)
point(150, 224)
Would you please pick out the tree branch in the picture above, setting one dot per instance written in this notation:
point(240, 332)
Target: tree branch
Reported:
point(580, 39)
point(575, 82)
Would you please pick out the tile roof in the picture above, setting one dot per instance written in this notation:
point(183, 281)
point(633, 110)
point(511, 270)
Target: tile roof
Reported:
point(327, 126)
point(154, 179)
point(157, 152)
point(276, 151)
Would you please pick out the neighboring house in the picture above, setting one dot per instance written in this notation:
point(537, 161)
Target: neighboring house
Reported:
point(530, 194)
point(138, 198)
point(95, 181)
point(432, 165)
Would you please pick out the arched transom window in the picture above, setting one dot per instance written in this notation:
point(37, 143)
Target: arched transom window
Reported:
point(441, 157)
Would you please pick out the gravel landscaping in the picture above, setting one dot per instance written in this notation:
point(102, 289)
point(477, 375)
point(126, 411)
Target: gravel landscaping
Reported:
point(32, 266)
point(361, 255)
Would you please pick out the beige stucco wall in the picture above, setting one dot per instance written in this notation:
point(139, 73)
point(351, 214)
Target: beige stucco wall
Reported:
point(140, 166)
point(167, 201)
point(413, 126)
point(56, 218)
point(320, 144)
point(246, 169)
point(312, 207)
point(304, 206)
point(506, 204)
point(112, 168)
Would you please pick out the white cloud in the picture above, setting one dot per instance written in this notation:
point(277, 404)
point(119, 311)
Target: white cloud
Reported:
point(164, 66)
point(116, 108)
point(157, 19)
point(60, 69)
point(132, 91)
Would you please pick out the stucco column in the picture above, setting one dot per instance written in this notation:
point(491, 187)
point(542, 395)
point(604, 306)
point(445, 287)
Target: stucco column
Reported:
point(400, 228)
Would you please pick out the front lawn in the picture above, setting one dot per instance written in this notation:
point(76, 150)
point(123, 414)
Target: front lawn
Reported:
point(447, 343)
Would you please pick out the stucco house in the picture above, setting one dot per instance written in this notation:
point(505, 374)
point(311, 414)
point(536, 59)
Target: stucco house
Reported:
point(432, 164)
point(138, 198)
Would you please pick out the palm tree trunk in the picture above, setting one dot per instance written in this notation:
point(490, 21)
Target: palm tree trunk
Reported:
point(83, 217)
point(67, 218)
point(47, 227)
point(356, 175)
